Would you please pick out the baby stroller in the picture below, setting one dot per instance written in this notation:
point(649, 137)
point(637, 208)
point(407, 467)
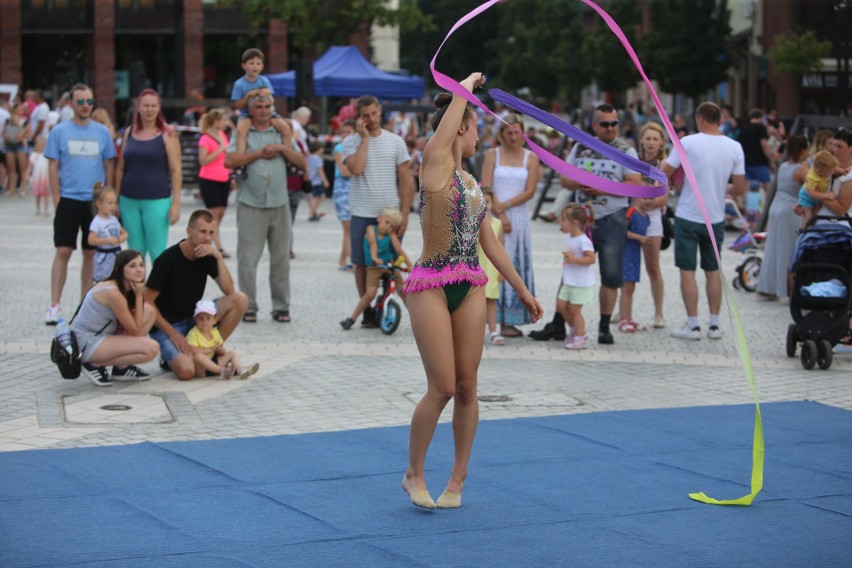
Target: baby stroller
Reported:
point(750, 244)
point(821, 299)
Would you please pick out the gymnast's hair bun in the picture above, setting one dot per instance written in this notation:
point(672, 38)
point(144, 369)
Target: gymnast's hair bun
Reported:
point(443, 100)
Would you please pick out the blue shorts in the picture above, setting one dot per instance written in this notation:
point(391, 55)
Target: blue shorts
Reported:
point(357, 230)
point(760, 173)
point(805, 199)
point(341, 199)
point(610, 239)
point(168, 351)
point(317, 190)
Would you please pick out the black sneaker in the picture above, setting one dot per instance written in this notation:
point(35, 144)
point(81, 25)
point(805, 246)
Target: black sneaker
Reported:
point(129, 373)
point(605, 337)
point(368, 320)
point(347, 323)
point(163, 365)
point(549, 332)
point(97, 375)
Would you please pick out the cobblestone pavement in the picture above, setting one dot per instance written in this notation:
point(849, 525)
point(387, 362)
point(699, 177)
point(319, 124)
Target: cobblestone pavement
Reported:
point(315, 377)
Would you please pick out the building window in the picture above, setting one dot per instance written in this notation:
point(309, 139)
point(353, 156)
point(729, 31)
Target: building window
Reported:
point(70, 16)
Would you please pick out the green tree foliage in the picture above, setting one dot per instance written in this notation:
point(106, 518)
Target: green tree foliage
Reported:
point(798, 54)
point(467, 51)
point(540, 47)
point(607, 60)
point(685, 47)
point(319, 24)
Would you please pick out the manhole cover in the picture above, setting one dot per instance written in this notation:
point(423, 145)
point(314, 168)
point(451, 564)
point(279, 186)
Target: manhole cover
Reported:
point(116, 407)
point(494, 398)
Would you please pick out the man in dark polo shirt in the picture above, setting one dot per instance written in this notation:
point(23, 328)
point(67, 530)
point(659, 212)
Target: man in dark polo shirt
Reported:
point(177, 282)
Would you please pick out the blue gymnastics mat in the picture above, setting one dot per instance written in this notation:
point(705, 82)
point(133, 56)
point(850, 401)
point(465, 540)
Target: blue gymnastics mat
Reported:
point(598, 490)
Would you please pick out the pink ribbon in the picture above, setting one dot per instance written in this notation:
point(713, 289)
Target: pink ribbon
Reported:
point(554, 162)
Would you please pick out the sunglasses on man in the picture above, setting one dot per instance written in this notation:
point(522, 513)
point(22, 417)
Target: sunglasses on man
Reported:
point(608, 123)
point(81, 102)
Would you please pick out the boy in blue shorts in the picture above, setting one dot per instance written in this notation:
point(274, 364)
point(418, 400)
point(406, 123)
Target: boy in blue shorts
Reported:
point(249, 85)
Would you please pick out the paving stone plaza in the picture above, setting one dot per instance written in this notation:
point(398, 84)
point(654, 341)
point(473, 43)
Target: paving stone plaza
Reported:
point(316, 377)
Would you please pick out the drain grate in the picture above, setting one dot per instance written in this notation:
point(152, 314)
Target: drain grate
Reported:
point(116, 407)
point(494, 398)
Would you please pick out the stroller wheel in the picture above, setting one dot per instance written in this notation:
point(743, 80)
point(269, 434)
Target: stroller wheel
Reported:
point(792, 339)
point(824, 354)
point(809, 354)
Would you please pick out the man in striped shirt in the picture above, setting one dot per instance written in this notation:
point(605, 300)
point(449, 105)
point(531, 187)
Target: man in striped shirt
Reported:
point(378, 160)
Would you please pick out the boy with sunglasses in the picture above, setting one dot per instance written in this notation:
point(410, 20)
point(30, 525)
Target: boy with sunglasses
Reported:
point(81, 154)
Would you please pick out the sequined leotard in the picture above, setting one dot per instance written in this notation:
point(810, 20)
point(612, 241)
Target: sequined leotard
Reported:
point(450, 219)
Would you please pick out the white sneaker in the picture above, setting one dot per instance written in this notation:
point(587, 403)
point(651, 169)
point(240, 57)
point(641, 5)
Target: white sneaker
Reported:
point(714, 332)
point(686, 332)
point(579, 342)
point(659, 323)
point(51, 316)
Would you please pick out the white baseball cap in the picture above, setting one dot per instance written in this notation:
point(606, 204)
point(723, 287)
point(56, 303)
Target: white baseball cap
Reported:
point(205, 307)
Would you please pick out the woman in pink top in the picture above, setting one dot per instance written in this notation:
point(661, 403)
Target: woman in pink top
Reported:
point(214, 179)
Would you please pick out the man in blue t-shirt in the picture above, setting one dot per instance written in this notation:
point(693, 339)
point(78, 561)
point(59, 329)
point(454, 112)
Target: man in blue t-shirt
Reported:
point(81, 154)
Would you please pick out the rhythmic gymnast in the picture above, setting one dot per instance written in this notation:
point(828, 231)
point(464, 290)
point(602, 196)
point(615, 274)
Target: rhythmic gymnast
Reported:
point(447, 299)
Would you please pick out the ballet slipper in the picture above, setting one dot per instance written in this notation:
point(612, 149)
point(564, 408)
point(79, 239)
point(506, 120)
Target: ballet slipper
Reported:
point(449, 500)
point(418, 498)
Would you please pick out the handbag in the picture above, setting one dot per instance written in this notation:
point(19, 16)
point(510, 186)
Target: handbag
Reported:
point(668, 233)
point(69, 364)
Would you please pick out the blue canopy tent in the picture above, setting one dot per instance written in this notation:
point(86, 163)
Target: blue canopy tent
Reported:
point(343, 72)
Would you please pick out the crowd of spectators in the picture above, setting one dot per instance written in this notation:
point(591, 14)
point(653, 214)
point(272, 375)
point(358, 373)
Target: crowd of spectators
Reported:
point(60, 155)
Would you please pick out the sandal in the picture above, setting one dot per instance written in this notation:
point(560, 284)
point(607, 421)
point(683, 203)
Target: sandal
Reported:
point(511, 331)
point(638, 326)
point(281, 316)
point(626, 326)
point(250, 316)
point(346, 267)
point(495, 339)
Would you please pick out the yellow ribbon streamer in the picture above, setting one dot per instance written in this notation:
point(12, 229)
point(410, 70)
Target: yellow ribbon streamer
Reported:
point(758, 448)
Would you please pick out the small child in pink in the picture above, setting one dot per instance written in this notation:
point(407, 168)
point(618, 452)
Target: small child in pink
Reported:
point(39, 178)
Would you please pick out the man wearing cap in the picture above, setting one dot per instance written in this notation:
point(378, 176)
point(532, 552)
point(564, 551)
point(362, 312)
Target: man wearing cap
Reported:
point(177, 283)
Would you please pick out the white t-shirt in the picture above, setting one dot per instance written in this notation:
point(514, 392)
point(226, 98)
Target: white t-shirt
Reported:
point(714, 159)
point(67, 113)
point(835, 187)
point(580, 275)
point(299, 131)
point(4, 117)
point(376, 187)
point(52, 120)
point(38, 115)
point(105, 227)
